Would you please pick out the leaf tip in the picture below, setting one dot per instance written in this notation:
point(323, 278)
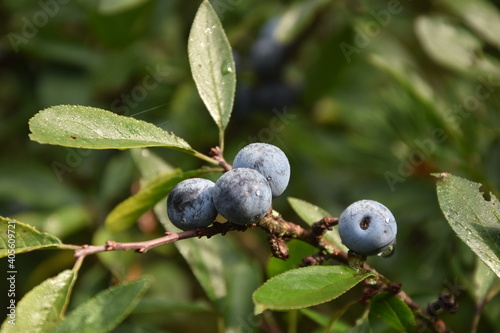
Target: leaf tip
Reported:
point(259, 309)
point(440, 175)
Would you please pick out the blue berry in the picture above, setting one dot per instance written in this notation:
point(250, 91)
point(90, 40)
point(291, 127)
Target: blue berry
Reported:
point(190, 204)
point(367, 227)
point(242, 196)
point(269, 160)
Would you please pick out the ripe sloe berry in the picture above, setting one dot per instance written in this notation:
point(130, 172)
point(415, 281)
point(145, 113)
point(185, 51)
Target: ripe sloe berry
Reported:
point(367, 227)
point(242, 196)
point(190, 204)
point(269, 160)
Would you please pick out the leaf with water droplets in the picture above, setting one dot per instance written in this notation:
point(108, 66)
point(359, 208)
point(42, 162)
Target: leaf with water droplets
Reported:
point(212, 64)
point(475, 220)
point(305, 287)
point(86, 127)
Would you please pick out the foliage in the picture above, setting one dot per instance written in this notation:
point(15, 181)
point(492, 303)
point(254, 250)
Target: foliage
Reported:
point(371, 98)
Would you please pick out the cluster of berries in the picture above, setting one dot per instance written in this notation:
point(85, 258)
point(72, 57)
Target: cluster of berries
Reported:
point(242, 195)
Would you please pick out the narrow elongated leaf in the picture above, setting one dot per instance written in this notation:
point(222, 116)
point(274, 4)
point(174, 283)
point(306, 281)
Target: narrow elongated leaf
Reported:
point(106, 310)
point(87, 127)
point(297, 250)
point(304, 287)
point(483, 280)
point(128, 211)
point(297, 19)
point(323, 320)
point(311, 213)
point(43, 306)
point(114, 6)
point(149, 164)
point(393, 311)
point(17, 237)
point(447, 43)
point(61, 222)
point(475, 220)
point(160, 305)
point(480, 15)
point(212, 64)
point(308, 212)
point(227, 275)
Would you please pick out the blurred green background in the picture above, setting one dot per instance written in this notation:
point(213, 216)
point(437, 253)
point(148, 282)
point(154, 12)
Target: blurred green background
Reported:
point(366, 98)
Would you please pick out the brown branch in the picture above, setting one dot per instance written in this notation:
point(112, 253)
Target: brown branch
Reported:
point(278, 227)
point(323, 225)
point(278, 247)
point(170, 237)
point(279, 232)
point(217, 154)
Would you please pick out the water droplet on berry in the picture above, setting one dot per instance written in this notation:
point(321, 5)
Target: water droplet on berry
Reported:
point(387, 252)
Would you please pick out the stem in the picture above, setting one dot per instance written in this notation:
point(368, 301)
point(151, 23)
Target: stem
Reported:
point(276, 227)
point(221, 139)
point(204, 157)
point(292, 320)
point(170, 237)
point(218, 155)
point(477, 316)
point(340, 313)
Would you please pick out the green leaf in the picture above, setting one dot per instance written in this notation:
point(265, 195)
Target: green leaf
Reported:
point(212, 64)
point(393, 311)
point(17, 237)
point(304, 287)
point(323, 321)
point(117, 6)
point(475, 220)
point(482, 16)
point(87, 127)
point(311, 213)
point(483, 280)
point(60, 222)
point(242, 280)
point(161, 305)
point(362, 325)
point(128, 211)
point(297, 19)
point(106, 310)
point(297, 251)
point(227, 275)
point(149, 164)
point(308, 212)
point(448, 44)
point(29, 180)
point(41, 308)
